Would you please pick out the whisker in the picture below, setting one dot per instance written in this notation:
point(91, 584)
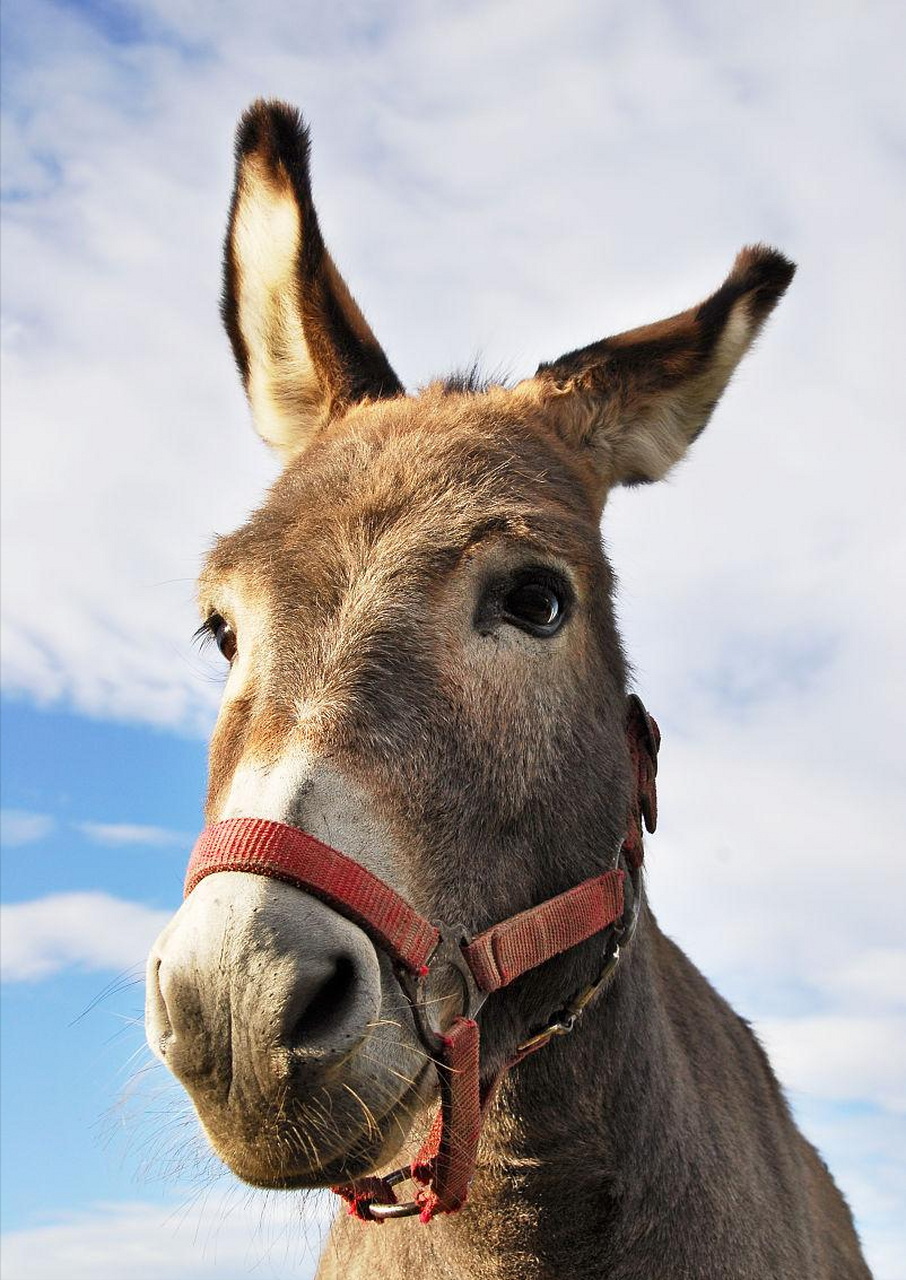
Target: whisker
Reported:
point(368, 1113)
point(122, 981)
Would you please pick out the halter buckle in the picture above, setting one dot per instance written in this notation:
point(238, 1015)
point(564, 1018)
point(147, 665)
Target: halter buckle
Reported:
point(448, 953)
point(566, 1019)
point(561, 1027)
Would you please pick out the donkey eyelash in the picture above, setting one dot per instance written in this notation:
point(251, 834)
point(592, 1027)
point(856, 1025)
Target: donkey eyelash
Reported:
point(205, 633)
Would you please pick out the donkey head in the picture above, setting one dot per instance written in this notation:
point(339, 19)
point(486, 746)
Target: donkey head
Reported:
point(424, 672)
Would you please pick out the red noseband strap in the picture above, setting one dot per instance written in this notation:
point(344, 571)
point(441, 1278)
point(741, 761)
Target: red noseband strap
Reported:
point(285, 853)
point(446, 1163)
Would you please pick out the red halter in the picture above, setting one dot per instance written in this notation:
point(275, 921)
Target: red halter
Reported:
point(446, 1162)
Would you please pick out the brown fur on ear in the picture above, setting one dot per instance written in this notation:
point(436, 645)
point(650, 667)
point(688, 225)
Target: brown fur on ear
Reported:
point(303, 347)
point(639, 399)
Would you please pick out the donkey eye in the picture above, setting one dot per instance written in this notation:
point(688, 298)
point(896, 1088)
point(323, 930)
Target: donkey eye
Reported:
point(219, 630)
point(536, 607)
point(224, 637)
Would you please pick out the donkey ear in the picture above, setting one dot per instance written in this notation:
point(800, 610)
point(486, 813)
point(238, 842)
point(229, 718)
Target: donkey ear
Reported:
point(303, 347)
point(638, 400)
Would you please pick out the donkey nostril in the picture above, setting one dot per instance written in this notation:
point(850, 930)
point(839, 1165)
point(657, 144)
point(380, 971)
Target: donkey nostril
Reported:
point(325, 1012)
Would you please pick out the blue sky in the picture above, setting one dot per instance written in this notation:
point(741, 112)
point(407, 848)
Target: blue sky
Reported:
point(71, 770)
point(501, 179)
point(88, 1148)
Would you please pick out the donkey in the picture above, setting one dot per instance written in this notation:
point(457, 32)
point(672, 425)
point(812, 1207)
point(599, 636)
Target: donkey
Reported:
point(425, 678)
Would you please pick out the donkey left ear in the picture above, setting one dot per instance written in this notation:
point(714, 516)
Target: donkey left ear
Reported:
point(303, 347)
point(638, 400)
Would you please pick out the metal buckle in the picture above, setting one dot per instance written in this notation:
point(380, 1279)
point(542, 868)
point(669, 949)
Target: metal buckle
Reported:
point(567, 1018)
point(448, 953)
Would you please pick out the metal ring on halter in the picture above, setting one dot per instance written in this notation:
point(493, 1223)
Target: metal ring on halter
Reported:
point(405, 1209)
point(448, 953)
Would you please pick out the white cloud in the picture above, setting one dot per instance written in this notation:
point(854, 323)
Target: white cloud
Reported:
point(772, 871)
point(230, 1236)
point(19, 826)
point(84, 930)
point(116, 371)
point(874, 977)
point(840, 1056)
point(116, 833)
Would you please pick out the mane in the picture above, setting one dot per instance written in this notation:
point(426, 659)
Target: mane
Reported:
point(472, 380)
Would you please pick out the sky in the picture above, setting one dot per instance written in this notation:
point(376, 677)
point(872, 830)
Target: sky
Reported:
point(505, 181)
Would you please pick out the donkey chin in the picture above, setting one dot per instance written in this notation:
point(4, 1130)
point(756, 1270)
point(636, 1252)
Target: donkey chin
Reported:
point(288, 1032)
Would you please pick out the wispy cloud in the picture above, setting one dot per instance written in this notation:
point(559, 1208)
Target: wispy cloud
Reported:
point(117, 833)
point(112, 636)
point(81, 930)
point(840, 1057)
point(227, 1236)
point(20, 826)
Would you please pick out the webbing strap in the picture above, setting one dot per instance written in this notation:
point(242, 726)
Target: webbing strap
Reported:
point(643, 737)
point(526, 940)
point(285, 853)
point(446, 1162)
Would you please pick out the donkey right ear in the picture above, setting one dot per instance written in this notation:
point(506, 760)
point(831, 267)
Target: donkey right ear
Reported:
point(303, 347)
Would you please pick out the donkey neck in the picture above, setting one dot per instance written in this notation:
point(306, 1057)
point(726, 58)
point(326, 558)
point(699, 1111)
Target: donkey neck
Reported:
point(580, 1132)
point(579, 1135)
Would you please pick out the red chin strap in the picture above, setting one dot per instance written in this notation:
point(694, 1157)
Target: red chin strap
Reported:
point(445, 1165)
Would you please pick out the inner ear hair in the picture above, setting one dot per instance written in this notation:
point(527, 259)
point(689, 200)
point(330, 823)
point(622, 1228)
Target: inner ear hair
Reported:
point(636, 401)
point(304, 350)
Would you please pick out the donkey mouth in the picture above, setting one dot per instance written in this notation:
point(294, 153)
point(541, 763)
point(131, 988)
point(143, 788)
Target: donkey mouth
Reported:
point(284, 1026)
point(319, 1142)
